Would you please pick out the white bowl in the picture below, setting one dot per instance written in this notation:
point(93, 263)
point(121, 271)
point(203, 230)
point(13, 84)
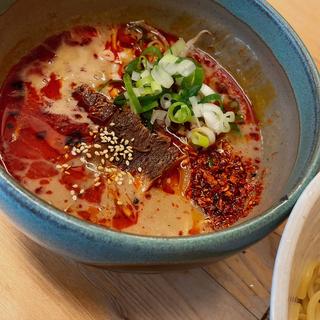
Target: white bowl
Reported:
point(299, 247)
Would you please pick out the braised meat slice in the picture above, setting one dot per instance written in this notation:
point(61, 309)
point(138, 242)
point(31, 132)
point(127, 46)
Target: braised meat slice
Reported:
point(97, 105)
point(153, 153)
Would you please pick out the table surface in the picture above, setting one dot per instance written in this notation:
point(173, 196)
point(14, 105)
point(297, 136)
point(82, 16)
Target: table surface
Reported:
point(37, 284)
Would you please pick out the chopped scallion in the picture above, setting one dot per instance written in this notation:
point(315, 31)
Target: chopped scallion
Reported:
point(179, 112)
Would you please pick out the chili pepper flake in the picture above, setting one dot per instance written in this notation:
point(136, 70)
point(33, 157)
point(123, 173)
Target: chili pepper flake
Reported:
point(224, 185)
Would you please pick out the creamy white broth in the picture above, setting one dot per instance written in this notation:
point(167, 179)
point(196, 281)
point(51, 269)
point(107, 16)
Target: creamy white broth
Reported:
point(156, 212)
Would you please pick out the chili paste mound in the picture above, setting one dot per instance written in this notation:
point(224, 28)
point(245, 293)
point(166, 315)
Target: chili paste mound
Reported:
point(132, 128)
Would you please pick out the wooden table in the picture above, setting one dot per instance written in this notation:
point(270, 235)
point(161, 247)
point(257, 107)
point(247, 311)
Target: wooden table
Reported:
point(36, 284)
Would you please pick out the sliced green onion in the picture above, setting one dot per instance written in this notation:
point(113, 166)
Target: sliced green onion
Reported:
point(149, 106)
point(152, 51)
point(132, 66)
point(146, 90)
point(179, 112)
point(142, 62)
point(165, 101)
point(146, 81)
point(186, 67)
point(133, 100)
point(179, 48)
point(137, 91)
point(145, 74)
point(168, 63)
point(211, 98)
point(155, 87)
point(135, 76)
point(202, 137)
point(206, 90)
point(192, 84)
point(162, 77)
point(158, 115)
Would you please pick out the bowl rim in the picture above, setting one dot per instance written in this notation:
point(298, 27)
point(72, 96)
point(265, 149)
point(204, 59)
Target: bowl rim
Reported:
point(287, 248)
point(246, 229)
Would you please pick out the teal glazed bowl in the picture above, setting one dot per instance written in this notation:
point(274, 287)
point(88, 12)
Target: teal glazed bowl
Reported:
point(249, 36)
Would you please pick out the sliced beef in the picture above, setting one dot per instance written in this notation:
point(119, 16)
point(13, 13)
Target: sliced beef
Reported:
point(97, 105)
point(154, 153)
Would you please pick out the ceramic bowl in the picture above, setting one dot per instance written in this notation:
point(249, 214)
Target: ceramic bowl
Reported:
point(265, 56)
point(299, 248)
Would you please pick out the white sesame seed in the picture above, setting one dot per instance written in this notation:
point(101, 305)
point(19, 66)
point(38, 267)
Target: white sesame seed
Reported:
point(97, 146)
point(72, 192)
point(81, 191)
point(58, 166)
point(74, 198)
point(89, 155)
point(97, 153)
point(112, 124)
point(127, 163)
point(75, 186)
point(102, 161)
point(140, 169)
point(97, 184)
point(111, 159)
point(119, 203)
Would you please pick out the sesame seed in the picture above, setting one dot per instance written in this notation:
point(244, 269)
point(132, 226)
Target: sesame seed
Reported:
point(111, 159)
point(72, 192)
point(89, 155)
point(75, 186)
point(81, 191)
point(67, 172)
point(119, 203)
point(97, 153)
point(103, 161)
point(112, 124)
point(97, 146)
point(140, 169)
point(74, 198)
point(58, 166)
point(97, 184)
point(100, 168)
point(127, 163)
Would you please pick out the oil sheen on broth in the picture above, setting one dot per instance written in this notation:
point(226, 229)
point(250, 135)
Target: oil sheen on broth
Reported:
point(57, 141)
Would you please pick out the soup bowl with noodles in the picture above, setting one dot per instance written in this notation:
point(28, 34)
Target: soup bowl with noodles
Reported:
point(142, 136)
point(296, 279)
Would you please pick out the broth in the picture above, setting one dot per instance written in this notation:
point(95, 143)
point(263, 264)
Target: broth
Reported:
point(54, 147)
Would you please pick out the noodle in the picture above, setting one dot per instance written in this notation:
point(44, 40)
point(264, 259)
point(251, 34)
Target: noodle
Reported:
point(308, 307)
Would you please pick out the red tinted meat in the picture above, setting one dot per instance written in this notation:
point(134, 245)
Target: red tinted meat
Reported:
point(152, 152)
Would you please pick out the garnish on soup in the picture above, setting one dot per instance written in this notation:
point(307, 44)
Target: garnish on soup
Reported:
point(133, 129)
